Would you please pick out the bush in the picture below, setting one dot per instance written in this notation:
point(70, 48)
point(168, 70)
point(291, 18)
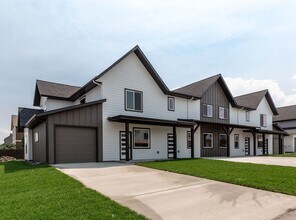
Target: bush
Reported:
point(7, 146)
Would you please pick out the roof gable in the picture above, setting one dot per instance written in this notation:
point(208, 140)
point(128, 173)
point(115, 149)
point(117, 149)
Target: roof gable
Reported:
point(53, 90)
point(252, 100)
point(141, 56)
point(286, 113)
point(200, 87)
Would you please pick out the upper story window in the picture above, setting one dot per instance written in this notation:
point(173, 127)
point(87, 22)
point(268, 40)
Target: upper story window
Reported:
point(263, 120)
point(133, 100)
point(247, 116)
point(207, 110)
point(171, 103)
point(36, 136)
point(223, 113)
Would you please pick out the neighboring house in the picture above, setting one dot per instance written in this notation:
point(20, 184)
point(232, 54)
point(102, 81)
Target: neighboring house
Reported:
point(287, 120)
point(24, 115)
point(128, 113)
point(17, 137)
point(8, 139)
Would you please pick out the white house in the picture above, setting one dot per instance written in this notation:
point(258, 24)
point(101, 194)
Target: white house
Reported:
point(128, 104)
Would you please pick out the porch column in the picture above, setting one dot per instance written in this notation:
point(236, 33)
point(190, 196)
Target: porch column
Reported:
point(127, 141)
point(192, 141)
point(175, 142)
point(264, 143)
point(228, 132)
point(280, 144)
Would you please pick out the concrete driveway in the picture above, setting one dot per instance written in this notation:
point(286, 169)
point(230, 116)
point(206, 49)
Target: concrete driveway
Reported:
point(163, 195)
point(280, 161)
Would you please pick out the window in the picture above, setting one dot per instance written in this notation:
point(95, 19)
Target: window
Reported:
point(133, 100)
point(263, 121)
point(247, 116)
point(141, 138)
point(36, 136)
point(223, 113)
point(82, 100)
point(207, 110)
point(207, 140)
point(171, 103)
point(189, 139)
point(259, 141)
point(222, 140)
point(236, 141)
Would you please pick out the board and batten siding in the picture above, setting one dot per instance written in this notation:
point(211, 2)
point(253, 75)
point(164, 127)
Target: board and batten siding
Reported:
point(90, 116)
point(216, 97)
point(39, 147)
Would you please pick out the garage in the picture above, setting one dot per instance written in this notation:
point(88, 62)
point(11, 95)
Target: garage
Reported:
point(76, 144)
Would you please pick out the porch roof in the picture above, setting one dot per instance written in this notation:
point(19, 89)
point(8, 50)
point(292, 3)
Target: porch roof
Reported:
point(150, 121)
point(272, 132)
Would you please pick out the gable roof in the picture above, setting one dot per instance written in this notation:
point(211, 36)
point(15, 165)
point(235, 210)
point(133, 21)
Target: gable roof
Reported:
point(200, 87)
point(286, 113)
point(252, 100)
point(24, 115)
point(53, 90)
point(139, 53)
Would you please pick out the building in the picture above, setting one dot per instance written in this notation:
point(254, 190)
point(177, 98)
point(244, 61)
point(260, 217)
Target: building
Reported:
point(128, 113)
point(287, 120)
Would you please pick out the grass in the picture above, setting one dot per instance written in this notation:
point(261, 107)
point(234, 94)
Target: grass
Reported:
point(267, 177)
point(284, 155)
point(41, 192)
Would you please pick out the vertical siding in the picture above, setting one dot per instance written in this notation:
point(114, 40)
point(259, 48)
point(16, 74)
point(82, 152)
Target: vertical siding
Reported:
point(39, 147)
point(216, 97)
point(216, 151)
point(90, 116)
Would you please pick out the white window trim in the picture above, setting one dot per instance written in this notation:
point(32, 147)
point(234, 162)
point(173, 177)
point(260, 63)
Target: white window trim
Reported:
point(223, 108)
point(219, 141)
point(174, 104)
point(134, 100)
point(212, 139)
point(207, 115)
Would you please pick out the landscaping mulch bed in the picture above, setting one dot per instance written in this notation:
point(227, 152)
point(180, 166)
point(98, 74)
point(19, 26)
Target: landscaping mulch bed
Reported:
point(6, 159)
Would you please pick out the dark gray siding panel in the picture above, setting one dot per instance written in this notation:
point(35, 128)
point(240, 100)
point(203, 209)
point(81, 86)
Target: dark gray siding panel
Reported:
point(39, 147)
point(90, 116)
point(216, 97)
point(276, 144)
point(216, 151)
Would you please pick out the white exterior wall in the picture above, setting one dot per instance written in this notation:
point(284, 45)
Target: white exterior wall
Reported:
point(28, 143)
point(93, 95)
point(131, 74)
point(241, 150)
point(52, 104)
point(289, 141)
point(238, 116)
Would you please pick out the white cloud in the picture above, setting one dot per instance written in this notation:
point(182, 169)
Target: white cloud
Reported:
point(3, 134)
point(294, 77)
point(239, 86)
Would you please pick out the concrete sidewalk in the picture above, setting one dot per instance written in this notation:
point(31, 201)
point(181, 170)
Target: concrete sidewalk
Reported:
point(164, 195)
point(280, 161)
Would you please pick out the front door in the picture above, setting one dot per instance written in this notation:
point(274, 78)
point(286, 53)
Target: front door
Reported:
point(170, 145)
point(294, 144)
point(247, 146)
point(266, 146)
point(123, 145)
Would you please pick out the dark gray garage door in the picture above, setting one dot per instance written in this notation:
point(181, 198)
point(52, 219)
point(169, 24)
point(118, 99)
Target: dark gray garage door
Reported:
point(75, 145)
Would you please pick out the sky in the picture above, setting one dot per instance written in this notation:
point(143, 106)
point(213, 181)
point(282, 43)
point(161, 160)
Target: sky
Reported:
point(251, 43)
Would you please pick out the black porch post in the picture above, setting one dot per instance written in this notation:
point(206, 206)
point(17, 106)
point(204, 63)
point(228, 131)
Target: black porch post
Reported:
point(192, 142)
point(175, 142)
point(280, 144)
point(264, 143)
point(254, 142)
point(127, 141)
point(228, 143)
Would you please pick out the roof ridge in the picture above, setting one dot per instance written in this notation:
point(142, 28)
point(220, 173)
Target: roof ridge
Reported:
point(199, 81)
point(38, 80)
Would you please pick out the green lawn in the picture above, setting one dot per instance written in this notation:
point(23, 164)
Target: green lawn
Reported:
point(284, 155)
point(272, 178)
point(41, 192)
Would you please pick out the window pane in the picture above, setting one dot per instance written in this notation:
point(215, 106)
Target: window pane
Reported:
point(222, 140)
point(205, 112)
point(188, 139)
point(141, 138)
point(171, 104)
point(221, 112)
point(236, 141)
point(225, 113)
point(207, 140)
point(138, 101)
point(129, 100)
point(210, 111)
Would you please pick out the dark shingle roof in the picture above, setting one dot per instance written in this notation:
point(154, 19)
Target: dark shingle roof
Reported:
point(52, 89)
point(286, 113)
point(198, 88)
point(252, 100)
point(24, 115)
